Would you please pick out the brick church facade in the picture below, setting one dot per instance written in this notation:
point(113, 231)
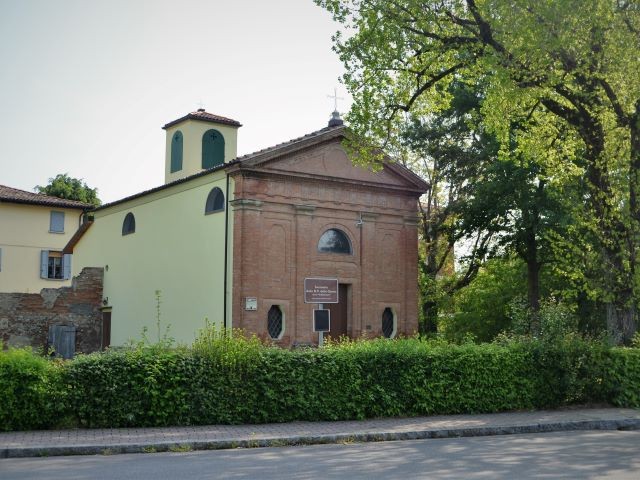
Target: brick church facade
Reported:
point(285, 200)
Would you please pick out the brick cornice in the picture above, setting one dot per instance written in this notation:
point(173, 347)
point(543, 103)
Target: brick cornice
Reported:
point(246, 204)
point(305, 209)
point(411, 220)
point(323, 180)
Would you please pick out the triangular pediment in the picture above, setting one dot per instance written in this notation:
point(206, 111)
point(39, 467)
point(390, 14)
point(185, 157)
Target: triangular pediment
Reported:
point(330, 161)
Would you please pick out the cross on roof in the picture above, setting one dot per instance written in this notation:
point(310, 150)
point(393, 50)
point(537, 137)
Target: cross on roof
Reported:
point(335, 99)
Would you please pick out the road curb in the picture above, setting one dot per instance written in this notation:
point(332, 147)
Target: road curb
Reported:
point(293, 440)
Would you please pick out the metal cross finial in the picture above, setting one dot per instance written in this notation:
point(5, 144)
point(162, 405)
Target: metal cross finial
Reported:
point(200, 104)
point(335, 99)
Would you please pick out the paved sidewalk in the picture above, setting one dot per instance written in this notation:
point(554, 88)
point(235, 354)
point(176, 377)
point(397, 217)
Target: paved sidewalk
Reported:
point(137, 440)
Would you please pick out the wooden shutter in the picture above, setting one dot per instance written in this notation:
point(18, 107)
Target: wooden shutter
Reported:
point(44, 264)
point(56, 223)
point(66, 266)
point(212, 149)
point(176, 152)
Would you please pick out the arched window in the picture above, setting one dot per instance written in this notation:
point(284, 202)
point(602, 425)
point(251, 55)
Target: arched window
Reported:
point(388, 323)
point(334, 241)
point(129, 224)
point(215, 201)
point(212, 149)
point(176, 152)
point(275, 322)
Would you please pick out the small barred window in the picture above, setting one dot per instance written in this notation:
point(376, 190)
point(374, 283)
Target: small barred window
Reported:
point(275, 325)
point(387, 323)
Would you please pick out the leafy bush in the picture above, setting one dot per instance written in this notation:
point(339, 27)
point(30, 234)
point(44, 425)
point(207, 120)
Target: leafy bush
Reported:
point(31, 394)
point(228, 379)
point(482, 308)
point(141, 387)
point(623, 377)
point(553, 321)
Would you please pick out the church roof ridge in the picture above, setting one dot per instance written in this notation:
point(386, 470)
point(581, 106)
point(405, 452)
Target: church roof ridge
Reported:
point(15, 195)
point(289, 143)
point(204, 116)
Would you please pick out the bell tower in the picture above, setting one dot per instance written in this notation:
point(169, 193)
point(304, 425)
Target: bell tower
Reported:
point(198, 141)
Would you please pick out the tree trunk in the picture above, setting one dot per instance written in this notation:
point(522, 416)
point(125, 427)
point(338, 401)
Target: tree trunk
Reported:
point(430, 315)
point(429, 303)
point(533, 279)
point(621, 324)
point(533, 285)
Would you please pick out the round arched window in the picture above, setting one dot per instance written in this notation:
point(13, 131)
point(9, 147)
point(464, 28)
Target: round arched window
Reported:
point(129, 224)
point(334, 241)
point(176, 152)
point(215, 201)
point(212, 149)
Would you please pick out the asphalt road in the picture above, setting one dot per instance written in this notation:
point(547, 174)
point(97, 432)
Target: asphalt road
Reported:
point(566, 455)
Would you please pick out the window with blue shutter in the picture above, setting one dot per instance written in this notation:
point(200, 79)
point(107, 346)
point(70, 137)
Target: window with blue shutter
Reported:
point(55, 265)
point(66, 266)
point(212, 149)
point(215, 201)
point(44, 264)
point(56, 222)
point(176, 152)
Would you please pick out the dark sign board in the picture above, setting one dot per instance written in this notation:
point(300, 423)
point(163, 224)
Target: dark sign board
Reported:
point(321, 320)
point(320, 290)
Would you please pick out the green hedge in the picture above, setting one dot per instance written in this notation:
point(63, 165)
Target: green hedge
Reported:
point(623, 377)
point(240, 381)
point(31, 392)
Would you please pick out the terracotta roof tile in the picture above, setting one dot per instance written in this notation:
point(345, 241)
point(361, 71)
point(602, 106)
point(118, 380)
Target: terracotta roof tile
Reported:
point(13, 195)
point(201, 115)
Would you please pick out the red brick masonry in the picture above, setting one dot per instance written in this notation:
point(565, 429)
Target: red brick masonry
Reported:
point(281, 208)
point(25, 317)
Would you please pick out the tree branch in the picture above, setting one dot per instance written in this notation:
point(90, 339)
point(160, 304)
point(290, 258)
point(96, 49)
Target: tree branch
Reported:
point(623, 118)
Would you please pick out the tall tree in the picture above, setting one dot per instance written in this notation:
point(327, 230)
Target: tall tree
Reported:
point(529, 207)
point(64, 186)
point(450, 150)
point(575, 61)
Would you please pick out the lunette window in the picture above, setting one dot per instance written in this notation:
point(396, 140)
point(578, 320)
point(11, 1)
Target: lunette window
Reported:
point(335, 241)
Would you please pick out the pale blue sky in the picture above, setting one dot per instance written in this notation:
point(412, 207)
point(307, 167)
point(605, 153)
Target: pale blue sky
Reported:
point(85, 86)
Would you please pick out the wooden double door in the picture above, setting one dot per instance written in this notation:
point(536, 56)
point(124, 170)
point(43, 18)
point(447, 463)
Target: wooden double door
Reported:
point(340, 313)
